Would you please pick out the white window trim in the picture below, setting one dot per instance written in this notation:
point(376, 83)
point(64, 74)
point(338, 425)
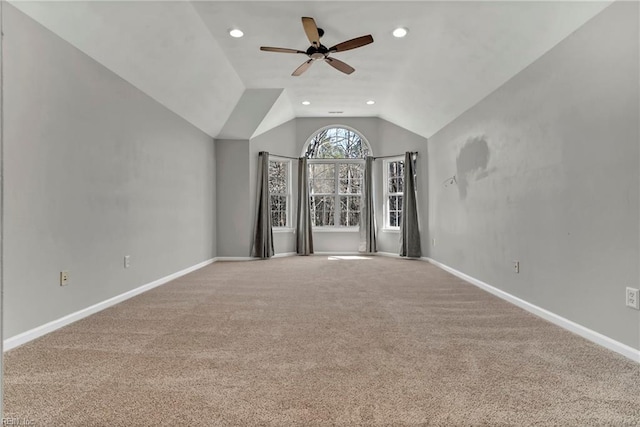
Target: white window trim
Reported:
point(288, 212)
point(385, 185)
point(336, 227)
point(284, 230)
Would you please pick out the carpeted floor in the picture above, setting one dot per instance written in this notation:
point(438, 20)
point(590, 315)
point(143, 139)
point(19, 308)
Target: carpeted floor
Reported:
point(307, 341)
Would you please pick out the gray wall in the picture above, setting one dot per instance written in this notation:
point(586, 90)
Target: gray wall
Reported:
point(94, 170)
point(547, 174)
point(234, 209)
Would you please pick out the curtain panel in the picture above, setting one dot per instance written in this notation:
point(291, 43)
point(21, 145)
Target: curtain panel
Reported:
point(304, 232)
point(367, 213)
point(409, 230)
point(263, 233)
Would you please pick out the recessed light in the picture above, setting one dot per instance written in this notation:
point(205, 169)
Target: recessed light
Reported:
point(236, 33)
point(371, 102)
point(399, 32)
point(306, 103)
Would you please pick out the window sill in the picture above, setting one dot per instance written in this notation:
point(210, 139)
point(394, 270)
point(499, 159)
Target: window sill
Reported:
point(283, 230)
point(391, 230)
point(336, 229)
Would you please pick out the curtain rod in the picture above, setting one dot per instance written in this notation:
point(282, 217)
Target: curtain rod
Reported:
point(375, 158)
point(284, 157)
point(397, 155)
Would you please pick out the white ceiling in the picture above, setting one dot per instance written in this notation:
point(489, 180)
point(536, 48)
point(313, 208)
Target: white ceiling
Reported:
point(180, 54)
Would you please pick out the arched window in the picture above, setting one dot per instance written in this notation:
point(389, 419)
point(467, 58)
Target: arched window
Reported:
point(337, 143)
point(336, 168)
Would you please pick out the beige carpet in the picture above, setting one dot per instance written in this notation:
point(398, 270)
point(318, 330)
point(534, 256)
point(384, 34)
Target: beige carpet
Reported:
point(309, 341)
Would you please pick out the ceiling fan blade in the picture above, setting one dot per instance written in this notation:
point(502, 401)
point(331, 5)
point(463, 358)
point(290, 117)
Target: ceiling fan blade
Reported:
point(339, 65)
point(301, 69)
point(352, 44)
point(311, 29)
point(281, 50)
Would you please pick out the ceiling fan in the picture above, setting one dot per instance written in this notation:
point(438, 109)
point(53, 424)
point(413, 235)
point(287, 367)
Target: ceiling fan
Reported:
point(319, 51)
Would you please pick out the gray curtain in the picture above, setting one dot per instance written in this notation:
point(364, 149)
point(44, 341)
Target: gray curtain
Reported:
point(409, 231)
point(304, 235)
point(367, 214)
point(263, 233)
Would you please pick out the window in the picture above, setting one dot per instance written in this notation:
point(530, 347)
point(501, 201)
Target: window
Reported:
point(336, 171)
point(393, 188)
point(279, 192)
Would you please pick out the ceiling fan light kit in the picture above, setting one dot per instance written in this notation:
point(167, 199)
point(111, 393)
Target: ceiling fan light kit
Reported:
point(317, 51)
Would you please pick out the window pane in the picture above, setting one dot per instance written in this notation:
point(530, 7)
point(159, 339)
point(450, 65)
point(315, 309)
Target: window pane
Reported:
point(354, 219)
point(321, 171)
point(392, 169)
point(282, 203)
point(278, 211)
point(393, 185)
point(350, 176)
point(349, 219)
point(322, 210)
point(349, 211)
point(396, 185)
point(394, 219)
point(396, 169)
point(354, 203)
point(278, 177)
point(319, 186)
point(321, 178)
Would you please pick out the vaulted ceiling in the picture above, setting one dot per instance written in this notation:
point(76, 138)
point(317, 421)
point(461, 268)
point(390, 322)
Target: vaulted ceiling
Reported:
point(180, 53)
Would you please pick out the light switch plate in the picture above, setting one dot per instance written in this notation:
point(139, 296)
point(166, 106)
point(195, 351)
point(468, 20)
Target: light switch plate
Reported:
point(633, 298)
point(64, 278)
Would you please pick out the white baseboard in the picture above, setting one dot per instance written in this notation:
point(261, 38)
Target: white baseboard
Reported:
point(567, 324)
point(388, 254)
point(18, 340)
point(338, 253)
point(248, 258)
point(285, 254)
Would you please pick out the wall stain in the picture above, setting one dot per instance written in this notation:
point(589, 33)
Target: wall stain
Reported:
point(471, 164)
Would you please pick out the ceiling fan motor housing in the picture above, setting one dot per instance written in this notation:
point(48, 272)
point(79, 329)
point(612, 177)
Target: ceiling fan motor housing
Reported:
point(318, 52)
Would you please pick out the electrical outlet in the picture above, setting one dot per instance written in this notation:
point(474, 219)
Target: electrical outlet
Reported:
point(64, 278)
point(633, 298)
point(433, 242)
point(516, 266)
point(127, 261)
